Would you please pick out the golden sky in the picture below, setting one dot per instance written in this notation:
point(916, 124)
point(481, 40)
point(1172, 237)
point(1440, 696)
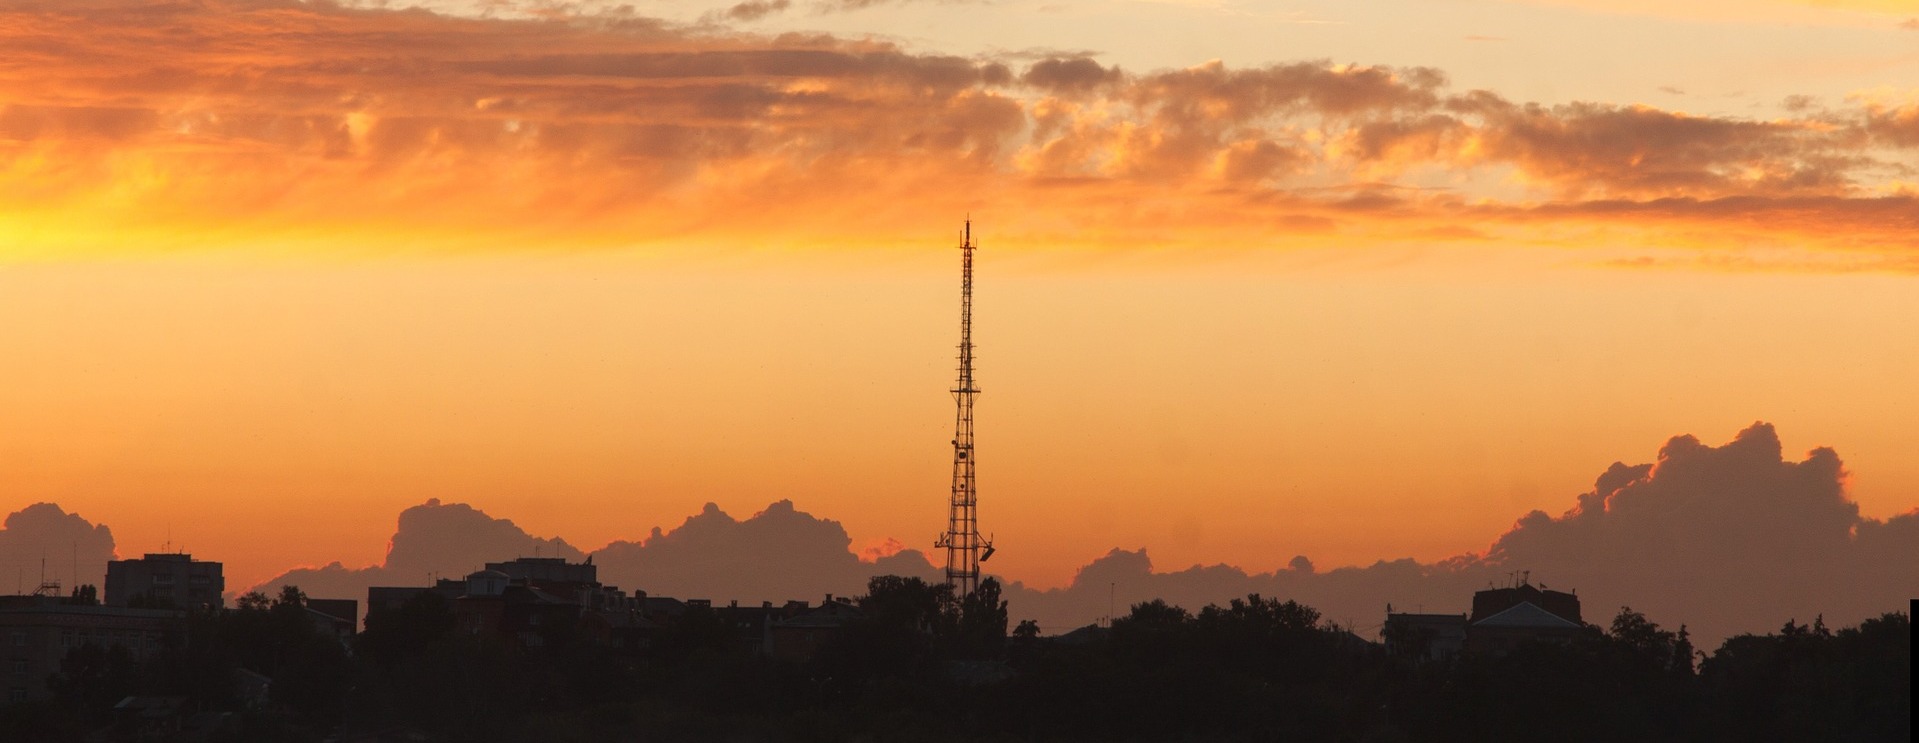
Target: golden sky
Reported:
point(272, 262)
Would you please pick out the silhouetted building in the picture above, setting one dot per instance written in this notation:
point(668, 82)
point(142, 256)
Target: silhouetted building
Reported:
point(380, 599)
point(1502, 619)
point(37, 633)
point(337, 617)
point(1495, 600)
point(495, 603)
point(1424, 636)
point(575, 582)
point(752, 626)
point(543, 571)
point(168, 581)
point(804, 630)
point(1506, 618)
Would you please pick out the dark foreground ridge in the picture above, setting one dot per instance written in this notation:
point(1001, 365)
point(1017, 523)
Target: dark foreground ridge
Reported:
point(909, 661)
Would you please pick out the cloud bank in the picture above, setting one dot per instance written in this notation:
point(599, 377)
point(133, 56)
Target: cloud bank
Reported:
point(433, 540)
point(264, 121)
point(774, 555)
point(1725, 539)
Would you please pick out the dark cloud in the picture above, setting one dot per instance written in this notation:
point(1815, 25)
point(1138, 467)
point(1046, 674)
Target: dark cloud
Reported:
point(753, 10)
point(1895, 125)
point(848, 6)
point(1069, 75)
point(64, 545)
point(1640, 151)
point(1213, 91)
point(433, 539)
point(1725, 539)
point(777, 554)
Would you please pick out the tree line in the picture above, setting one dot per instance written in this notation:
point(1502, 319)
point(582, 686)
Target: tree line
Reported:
point(922, 664)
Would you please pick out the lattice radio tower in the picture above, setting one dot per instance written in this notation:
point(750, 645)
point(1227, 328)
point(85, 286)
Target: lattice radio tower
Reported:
point(965, 549)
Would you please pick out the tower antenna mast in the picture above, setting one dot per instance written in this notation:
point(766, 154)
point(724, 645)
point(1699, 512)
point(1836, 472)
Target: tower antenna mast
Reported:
point(962, 539)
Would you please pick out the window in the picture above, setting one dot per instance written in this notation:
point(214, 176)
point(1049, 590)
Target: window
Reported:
point(17, 694)
point(19, 638)
point(19, 665)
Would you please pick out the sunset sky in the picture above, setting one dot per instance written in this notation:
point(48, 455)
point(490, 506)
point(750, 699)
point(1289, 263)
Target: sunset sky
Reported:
point(1350, 280)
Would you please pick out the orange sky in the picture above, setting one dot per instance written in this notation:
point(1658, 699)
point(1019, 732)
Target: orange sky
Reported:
point(273, 265)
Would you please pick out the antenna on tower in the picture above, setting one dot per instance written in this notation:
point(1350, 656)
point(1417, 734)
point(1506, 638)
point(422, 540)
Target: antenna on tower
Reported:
point(962, 540)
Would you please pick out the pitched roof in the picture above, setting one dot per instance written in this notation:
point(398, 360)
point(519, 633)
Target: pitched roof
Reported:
point(1526, 614)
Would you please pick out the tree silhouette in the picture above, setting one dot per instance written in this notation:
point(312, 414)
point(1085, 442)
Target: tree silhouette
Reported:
point(982, 621)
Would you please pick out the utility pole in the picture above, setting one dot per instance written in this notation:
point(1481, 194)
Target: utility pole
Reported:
point(962, 539)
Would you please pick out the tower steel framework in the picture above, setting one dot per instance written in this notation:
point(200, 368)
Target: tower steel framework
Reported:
point(962, 539)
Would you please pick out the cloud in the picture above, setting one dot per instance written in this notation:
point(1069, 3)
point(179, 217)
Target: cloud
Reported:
point(1069, 75)
point(140, 122)
point(432, 540)
point(753, 10)
point(42, 537)
point(778, 554)
point(1725, 539)
point(848, 6)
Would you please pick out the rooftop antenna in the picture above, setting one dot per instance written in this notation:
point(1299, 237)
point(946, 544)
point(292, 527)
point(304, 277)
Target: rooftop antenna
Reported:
point(962, 540)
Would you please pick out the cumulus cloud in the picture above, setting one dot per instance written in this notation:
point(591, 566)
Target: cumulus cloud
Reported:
point(608, 126)
point(66, 545)
point(433, 540)
point(1726, 539)
point(777, 554)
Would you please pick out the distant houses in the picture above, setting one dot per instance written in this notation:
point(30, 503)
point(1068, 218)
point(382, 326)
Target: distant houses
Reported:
point(526, 601)
point(532, 599)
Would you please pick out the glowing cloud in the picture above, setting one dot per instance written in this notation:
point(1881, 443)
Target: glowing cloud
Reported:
point(272, 122)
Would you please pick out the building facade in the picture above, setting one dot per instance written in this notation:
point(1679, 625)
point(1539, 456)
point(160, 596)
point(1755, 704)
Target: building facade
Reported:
point(37, 633)
point(165, 581)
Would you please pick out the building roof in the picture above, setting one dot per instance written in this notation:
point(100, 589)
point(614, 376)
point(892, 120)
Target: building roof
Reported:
point(832, 614)
point(1526, 614)
point(1446, 619)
